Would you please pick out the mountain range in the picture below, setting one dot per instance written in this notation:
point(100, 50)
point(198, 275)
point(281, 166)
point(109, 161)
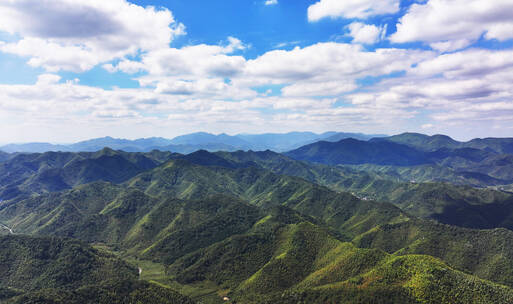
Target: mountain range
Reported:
point(401, 219)
point(191, 142)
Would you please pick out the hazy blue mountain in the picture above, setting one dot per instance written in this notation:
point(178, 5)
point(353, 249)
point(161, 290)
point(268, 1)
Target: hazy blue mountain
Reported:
point(499, 145)
point(191, 142)
point(33, 148)
point(138, 145)
point(422, 142)
point(4, 156)
point(293, 140)
point(360, 136)
point(432, 143)
point(460, 165)
point(283, 142)
point(185, 149)
point(202, 138)
point(352, 151)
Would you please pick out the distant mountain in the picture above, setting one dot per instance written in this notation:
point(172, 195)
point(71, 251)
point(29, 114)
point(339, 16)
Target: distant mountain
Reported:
point(185, 149)
point(203, 138)
point(421, 141)
point(92, 145)
point(499, 145)
point(458, 163)
point(352, 151)
point(138, 145)
point(293, 140)
point(432, 143)
point(191, 142)
point(33, 148)
point(360, 136)
point(4, 156)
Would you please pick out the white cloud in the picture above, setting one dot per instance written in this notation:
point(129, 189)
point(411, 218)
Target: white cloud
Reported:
point(197, 60)
point(77, 35)
point(326, 88)
point(271, 2)
point(456, 90)
point(448, 25)
point(349, 9)
point(365, 33)
point(46, 79)
point(325, 69)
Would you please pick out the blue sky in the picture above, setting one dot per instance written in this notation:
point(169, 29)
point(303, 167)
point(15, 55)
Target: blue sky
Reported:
point(90, 68)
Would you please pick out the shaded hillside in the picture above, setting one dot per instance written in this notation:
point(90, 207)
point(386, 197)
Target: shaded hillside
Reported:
point(460, 165)
point(435, 142)
point(55, 171)
point(450, 204)
point(422, 142)
point(352, 151)
point(4, 156)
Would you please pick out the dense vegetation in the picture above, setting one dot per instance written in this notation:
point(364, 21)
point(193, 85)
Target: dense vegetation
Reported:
point(54, 270)
point(258, 227)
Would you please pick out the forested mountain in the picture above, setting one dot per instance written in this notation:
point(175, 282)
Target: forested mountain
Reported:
point(54, 270)
point(25, 174)
point(210, 225)
point(259, 227)
point(435, 142)
point(418, 158)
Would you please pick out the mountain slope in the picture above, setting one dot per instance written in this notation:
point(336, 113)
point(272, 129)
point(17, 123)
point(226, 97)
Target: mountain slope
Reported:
point(450, 204)
point(300, 261)
point(56, 263)
point(53, 270)
point(352, 151)
point(422, 142)
point(55, 171)
point(4, 156)
point(435, 142)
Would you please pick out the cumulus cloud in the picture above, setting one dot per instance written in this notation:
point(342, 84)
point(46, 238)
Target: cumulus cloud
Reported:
point(48, 79)
point(365, 33)
point(77, 35)
point(271, 2)
point(323, 69)
point(449, 25)
point(326, 69)
point(197, 60)
point(349, 9)
point(455, 89)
